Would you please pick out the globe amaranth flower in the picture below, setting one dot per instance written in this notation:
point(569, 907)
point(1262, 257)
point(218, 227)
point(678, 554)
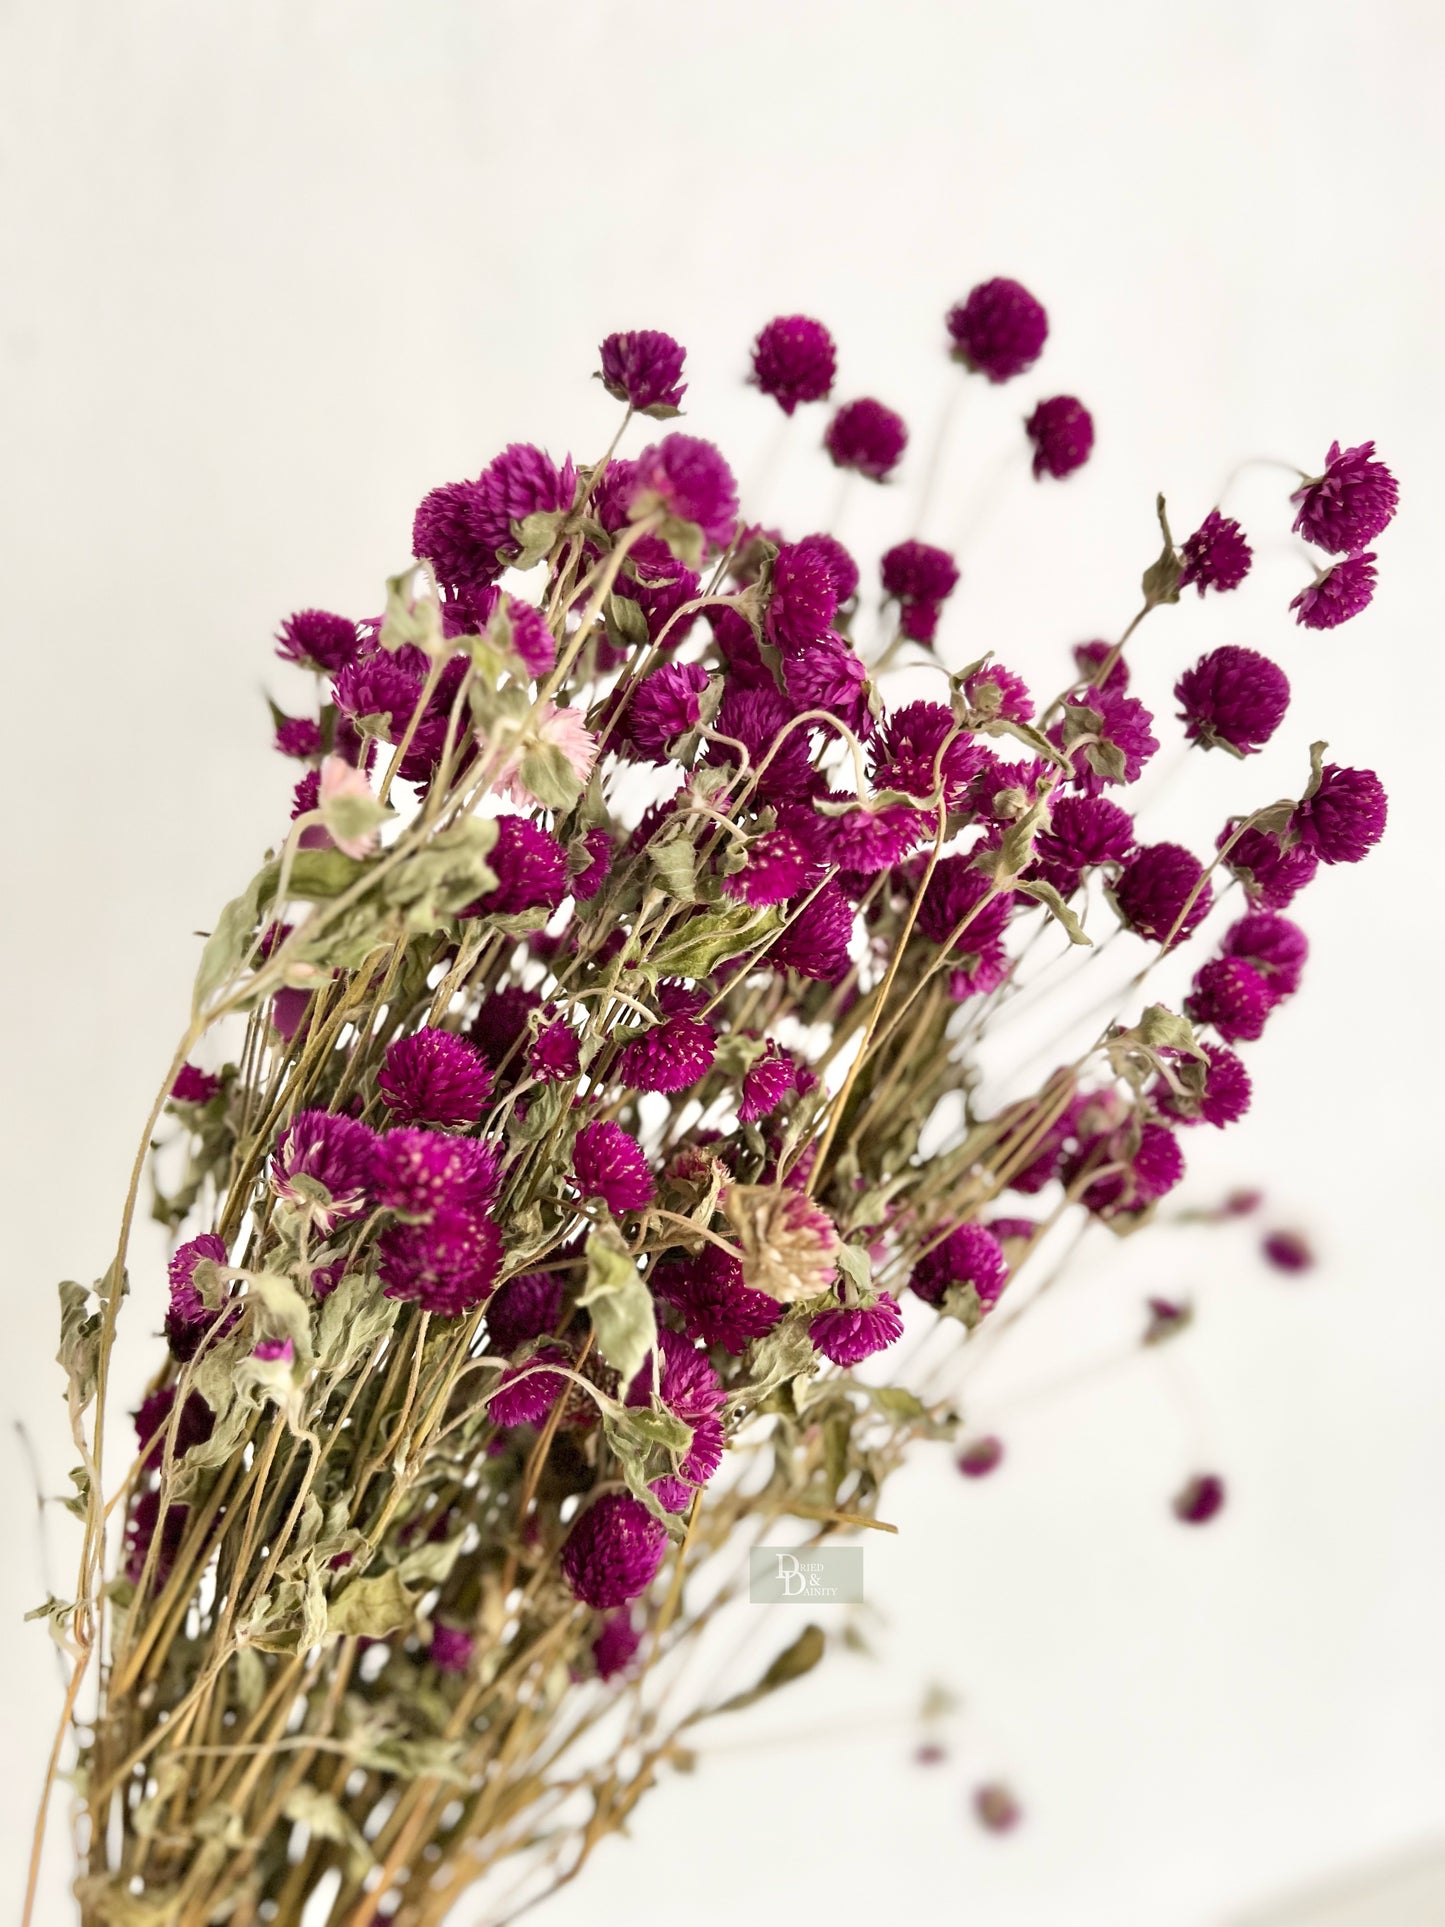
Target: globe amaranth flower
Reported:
point(551, 727)
point(1224, 1099)
point(1273, 945)
point(299, 737)
point(381, 687)
point(665, 705)
point(1091, 658)
point(767, 1082)
point(466, 529)
point(1288, 1250)
point(557, 1054)
point(920, 578)
point(921, 749)
point(688, 479)
point(1112, 749)
point(1000, 330)
point(815, 940)
point(1216, 556)
point(502, 1025)
point(1337, 593)
point(528, 636)
point(1232, 997)
point(523, 1308)
point(855, 1332)
point(1197, 1502)
point(451, 1648)
point(830, 674)
point(419, 1173)
point(674, 1054)
point(1342, 817)
point(612, 1553)
point(188, 1319)
point(1355, 500)
point(841, 566)
point(597, 867)
point(683, 1377)
point(866, 436)
point(1272, 873)
point(644, 368)
point(527, 1392)
point(968, 1257)
point(778, 756)
point(1083, 832)
point(434, 1077)
point(1153, 888)
point(447, 1265)
point(802, 600)
point(980, 1457)
point(864, 838)
point(609, 1164)
point(194, 1086)
point(794, 360)
point(995, 691)
point(1232, 698)
point(152, 1423)
point(1062, 432)
point(777, 868)
point(530, 866)
point(316, 639)
point(323, 1166)
point(1135, 1168)
point(616, 1645)
point(789, 1244)
point(960, 907)
point(715, 1305)
point(153, 1538)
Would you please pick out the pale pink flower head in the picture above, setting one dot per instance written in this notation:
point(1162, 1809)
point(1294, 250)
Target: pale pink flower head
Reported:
point(340, 779)
point(555, 726)
point(789, 1244)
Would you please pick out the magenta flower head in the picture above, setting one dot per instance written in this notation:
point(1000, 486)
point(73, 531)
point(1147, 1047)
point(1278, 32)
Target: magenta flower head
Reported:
point(758, 718)
point(435, 1077)
point(1124, 733)
point(613, 1552)
point(615, 1646)
point(1216, 556)
point(1224, 1099)
point(1277, 949)
point(1337, 594)
point(1230, 995)
point(688, 479)
point(794, 360)
point(1199, 1501)
point(922, 750)
point(767, 1083)
point(527, 1392)
point(995, 691)
point(1355, 500)
point(815, 942)
point(854, 1332)
point(1091, 657)
point(802, 600)
point(609, 1164)
point(1153, 888)
point(466, 529)
point(864, 839)
point(316, 639)
point(842, 567)
point(530, 867)
point(451, 1648)
point(776, 869)
point(674, 1054)
point(968, 1256)
point(323, 1166)
point(716, 1307)
point(999, 331)
point(830, 674)
point(194, 1086)
point(918, 576)
point(1083, 832)
point(1232, 699)
point(665, 705)
point(1288, 1250)
point(524, 1308)
point(866, 436)
point(448, 1266)
point(1062, 432)
point(1272, 874)
point(187, 1318)
point(422, 1172)
point(557, 1054)
point(980, 1457)
point(644, 369)
point(1343, 815)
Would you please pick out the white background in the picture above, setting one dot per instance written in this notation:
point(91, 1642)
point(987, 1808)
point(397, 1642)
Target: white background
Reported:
point(271, 271)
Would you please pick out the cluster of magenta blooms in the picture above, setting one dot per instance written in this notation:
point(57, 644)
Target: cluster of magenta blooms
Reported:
point(422, 1165)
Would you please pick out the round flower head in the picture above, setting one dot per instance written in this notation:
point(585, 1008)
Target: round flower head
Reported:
point(922, 750)
point(1230, 995)
point(527, 1392)
point(1288, 1250)
point(451, 1648)
point(968, 1258)
point(1153, 888)
point(815, 941)
point(1125, 729)
point(683, 1377)
point(531, 641)
point(187, 1318)
point(1273, 945)
point(1062, 432)
point(316, 639)
point(1091, 657)
point(1337, 594)
point(758, 718)
point(447, 1265)
point(193, 1086)
point(152, 1423)
point(794, 360)
point(1083, 832)
point(609, 1164)
point(1216, 556)
point(1224, 1099)
point(323, 1166)
point(865, 838)
point(674, 1054)
point(843, 568)
point(688, 479)
point(665, 705)
point(959, 909)
point(644, 369)
point(552, 726)
point(1000, 330)
point(597, 867)
point(556, 1054)
point(980, 1457)
point(1343, 817)
point(767, 1083)
point(380, 686)
point(853, 1333)
point(465, 529)
point(531, 870)
point(612, 1553)
point(802, 601)
point(918, 573)
point(1272, 874)
point(830, 674)
point(995, 691)
point(1198, 1501)
point(1355, 500)
point(777, 868)
point(866, 436)
point(435, 1077)
point(789, 1244)
point(523, 1308)
point(616, 1645)
point(298, 736)
point(502, 1025)
point(715, 1305)
point(1133, 1171)
point(419, 1173)
point(1232, 698)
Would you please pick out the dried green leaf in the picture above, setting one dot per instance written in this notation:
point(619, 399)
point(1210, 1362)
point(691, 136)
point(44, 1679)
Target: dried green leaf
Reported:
point(550, 777)
point(707, 939)
point(1161, 578)
point(536, 535)
point(617, 1300)
point(230, 942)
point(796, 1659)
point(327, 1819)
point(376, 1605)
point(1049, 897)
